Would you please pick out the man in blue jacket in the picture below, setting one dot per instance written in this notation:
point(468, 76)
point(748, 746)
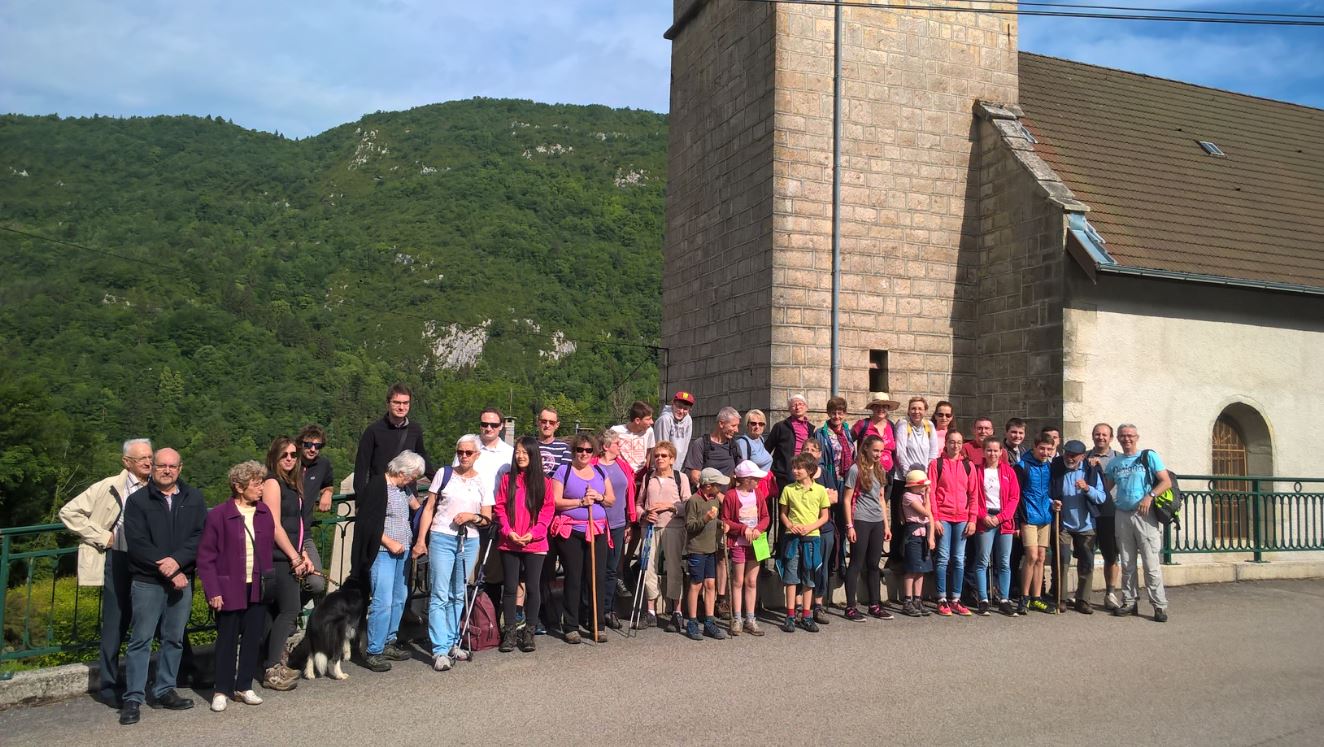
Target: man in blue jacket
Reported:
point(1077, 491)
point(162, 527)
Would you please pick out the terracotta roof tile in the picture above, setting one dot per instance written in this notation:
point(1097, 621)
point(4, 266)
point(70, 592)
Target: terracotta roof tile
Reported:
point(1127, 146)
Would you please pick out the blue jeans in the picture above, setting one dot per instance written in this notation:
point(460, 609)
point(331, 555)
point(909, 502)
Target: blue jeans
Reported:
point(951, 552)
point(991, 540)
point(387, 602)
point(450, 566)
point(827, 535)
point(154, 605)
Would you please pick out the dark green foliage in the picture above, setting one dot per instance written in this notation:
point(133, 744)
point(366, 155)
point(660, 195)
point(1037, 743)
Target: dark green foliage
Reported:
point(246, 284)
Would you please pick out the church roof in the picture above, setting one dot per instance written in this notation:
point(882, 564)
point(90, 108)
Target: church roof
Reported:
point(1128, 146)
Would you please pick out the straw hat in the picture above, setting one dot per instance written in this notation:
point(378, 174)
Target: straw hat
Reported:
point(882, 399)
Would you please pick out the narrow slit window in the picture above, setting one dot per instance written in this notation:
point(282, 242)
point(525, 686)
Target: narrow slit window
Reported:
point(878, 371)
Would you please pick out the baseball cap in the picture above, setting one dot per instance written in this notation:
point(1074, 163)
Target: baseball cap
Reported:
point(684, 396)
point(710, 476)
point(748, 468)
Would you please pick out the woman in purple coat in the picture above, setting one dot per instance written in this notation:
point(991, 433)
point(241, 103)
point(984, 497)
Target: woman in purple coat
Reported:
point(234, 552)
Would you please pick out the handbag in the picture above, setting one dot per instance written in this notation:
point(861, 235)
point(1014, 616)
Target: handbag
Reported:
point(266, 589)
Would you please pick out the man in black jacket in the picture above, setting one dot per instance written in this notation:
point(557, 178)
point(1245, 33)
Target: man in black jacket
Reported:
point(162, 527)
point(386, 438)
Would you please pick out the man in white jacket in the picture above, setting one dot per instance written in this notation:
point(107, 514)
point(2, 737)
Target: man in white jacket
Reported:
point(97, 516)
point(676, 425)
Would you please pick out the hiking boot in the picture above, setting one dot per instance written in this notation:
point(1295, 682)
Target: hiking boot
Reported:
point(572, 637)
point(1160, 614)
point(396, 653)
point(1038, 605)
point(734, 628)
point(1124, 610)
point(1084, 607)
point(880, 612)
point(650, 620)
point(692, 630)
point(283, 678)
point(507, 640)
point(788, 625)
point(809, 624)
point(524, 639)
point(961, 609)
point(372, 662)
point(711, 630)
point(1110, 602)
point(981, 608)
point(909, 609)
point(613, 620)
point(442, 663)
point(752, 627)
point(944, 608)
point(1022, 606)
point(853, 614)
point(621, 591)
point(1005, 608)
point(723, 607)
point(922, 607)
point(821, 616)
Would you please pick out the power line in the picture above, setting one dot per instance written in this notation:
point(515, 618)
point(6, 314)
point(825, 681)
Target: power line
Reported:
point(1247, 19)
point(1190, 11)
point(513, 333)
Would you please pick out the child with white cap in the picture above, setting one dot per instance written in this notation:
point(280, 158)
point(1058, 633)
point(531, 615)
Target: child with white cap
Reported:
point(918, 542)
point(745, 519)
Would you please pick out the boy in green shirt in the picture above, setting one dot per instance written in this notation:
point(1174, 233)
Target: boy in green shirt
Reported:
point(703, 529)
point(804, 508)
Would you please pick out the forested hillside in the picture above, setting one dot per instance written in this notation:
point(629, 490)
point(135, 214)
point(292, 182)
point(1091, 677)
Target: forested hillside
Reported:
point(221, 286)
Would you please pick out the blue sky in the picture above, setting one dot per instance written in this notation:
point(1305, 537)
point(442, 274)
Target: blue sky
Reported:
point(300, 67)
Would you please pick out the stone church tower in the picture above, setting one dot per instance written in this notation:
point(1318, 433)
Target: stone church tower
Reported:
point(747, 286)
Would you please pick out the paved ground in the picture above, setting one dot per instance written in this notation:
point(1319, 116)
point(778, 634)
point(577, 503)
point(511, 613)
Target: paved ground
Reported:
point(1238, 664)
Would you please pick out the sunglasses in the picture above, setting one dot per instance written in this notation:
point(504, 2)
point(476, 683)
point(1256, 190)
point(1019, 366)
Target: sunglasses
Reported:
point(489, 425)
point(583, 450)
point(289, 455)
point(547, 422)
point(312, 445)
point(942, 415)
point(756, 424)
point(465, 452)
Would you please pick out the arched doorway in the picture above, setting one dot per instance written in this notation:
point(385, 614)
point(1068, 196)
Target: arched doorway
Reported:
point(1241, 446)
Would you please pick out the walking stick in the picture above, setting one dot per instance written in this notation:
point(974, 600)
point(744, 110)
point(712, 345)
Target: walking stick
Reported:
point(593, 571)
point(637, 604)
point(1057, 562)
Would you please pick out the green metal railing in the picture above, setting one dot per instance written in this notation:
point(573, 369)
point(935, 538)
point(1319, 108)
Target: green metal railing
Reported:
point(1255, 515)
point(46, 614)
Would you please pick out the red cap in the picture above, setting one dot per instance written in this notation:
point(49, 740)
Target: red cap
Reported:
point(684, 396)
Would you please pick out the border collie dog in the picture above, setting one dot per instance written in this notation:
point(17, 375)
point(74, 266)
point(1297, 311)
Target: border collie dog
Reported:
point(332, 628)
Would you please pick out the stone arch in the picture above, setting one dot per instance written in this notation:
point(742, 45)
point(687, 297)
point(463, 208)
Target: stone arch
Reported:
point(1254, 432)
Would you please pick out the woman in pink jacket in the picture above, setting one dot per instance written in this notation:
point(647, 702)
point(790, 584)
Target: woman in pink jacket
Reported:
point(997, 493)
point(523, 509)
point(952, 492)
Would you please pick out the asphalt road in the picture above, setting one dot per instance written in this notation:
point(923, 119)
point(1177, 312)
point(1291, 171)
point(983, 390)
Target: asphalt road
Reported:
point(1238, 664)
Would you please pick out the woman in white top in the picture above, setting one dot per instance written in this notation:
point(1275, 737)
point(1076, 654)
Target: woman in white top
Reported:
point(917, 444)
point(456, 501)
point(662, 494)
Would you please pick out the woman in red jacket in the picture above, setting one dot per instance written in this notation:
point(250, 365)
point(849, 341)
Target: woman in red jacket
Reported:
point(998, 492)
point(744, 517)
point(523, 509)
point(235, 550)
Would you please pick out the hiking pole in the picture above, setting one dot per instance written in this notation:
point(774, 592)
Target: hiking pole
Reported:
point(593, 571)
point(637, 604)
point(480, 575)
point(1057, 562)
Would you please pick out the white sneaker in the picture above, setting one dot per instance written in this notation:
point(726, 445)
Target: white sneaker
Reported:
point(1110, 602)
point(219, 702)
point(458, 653)
point(248, 697)
point(441, 663)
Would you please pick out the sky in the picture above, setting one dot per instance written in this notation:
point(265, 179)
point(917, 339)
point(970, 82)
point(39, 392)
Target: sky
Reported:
point(300, 67)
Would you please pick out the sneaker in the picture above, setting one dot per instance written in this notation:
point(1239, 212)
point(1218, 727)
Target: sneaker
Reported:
point(821, 616)
point(752, 627)
point(621, 591)
point(1005, 608)
point(650, 620)
point(219, 702)
point(1110, 602)
point(572, 637)
point(613, 620)
point(788, 624)
point(961, 609)
point(909, 609)
point(1126, 609)
point(809, 624)
point(944, 609)
point(540, 629)
point(519, 615)
point(1022, 606)
point(675, 623)
point(692, 630)
point(277, 678)
point(457, 653)
point(982, 608)
point(1084, 607)
point(853, 615)
point(395, 653)
point(880, 612)
point(373, 662)
point(1038, 605)
point(442, 663)
point(711, 630)
point(248, 697)
point(1160, 614)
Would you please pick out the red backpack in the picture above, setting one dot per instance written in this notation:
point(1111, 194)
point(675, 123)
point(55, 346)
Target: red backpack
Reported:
point(483, 632)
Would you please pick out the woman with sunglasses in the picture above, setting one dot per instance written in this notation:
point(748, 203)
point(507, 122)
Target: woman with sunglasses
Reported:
point(917, 444)
point(282, 494)
point(581, 493)
point(449, 520)
point(944, 417)
point(752, 446)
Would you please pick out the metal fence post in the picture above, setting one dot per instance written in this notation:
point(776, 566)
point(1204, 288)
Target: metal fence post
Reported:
point(1257, 521)
point(4, 591)
point(1167, 544)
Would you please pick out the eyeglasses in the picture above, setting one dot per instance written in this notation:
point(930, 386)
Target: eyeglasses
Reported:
point(544, 421)
point(583, 450)
point(139, 460)
point(489, 425)
point(167, 466)
point(312, 445)
point(289, 455)
point(465, 452)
